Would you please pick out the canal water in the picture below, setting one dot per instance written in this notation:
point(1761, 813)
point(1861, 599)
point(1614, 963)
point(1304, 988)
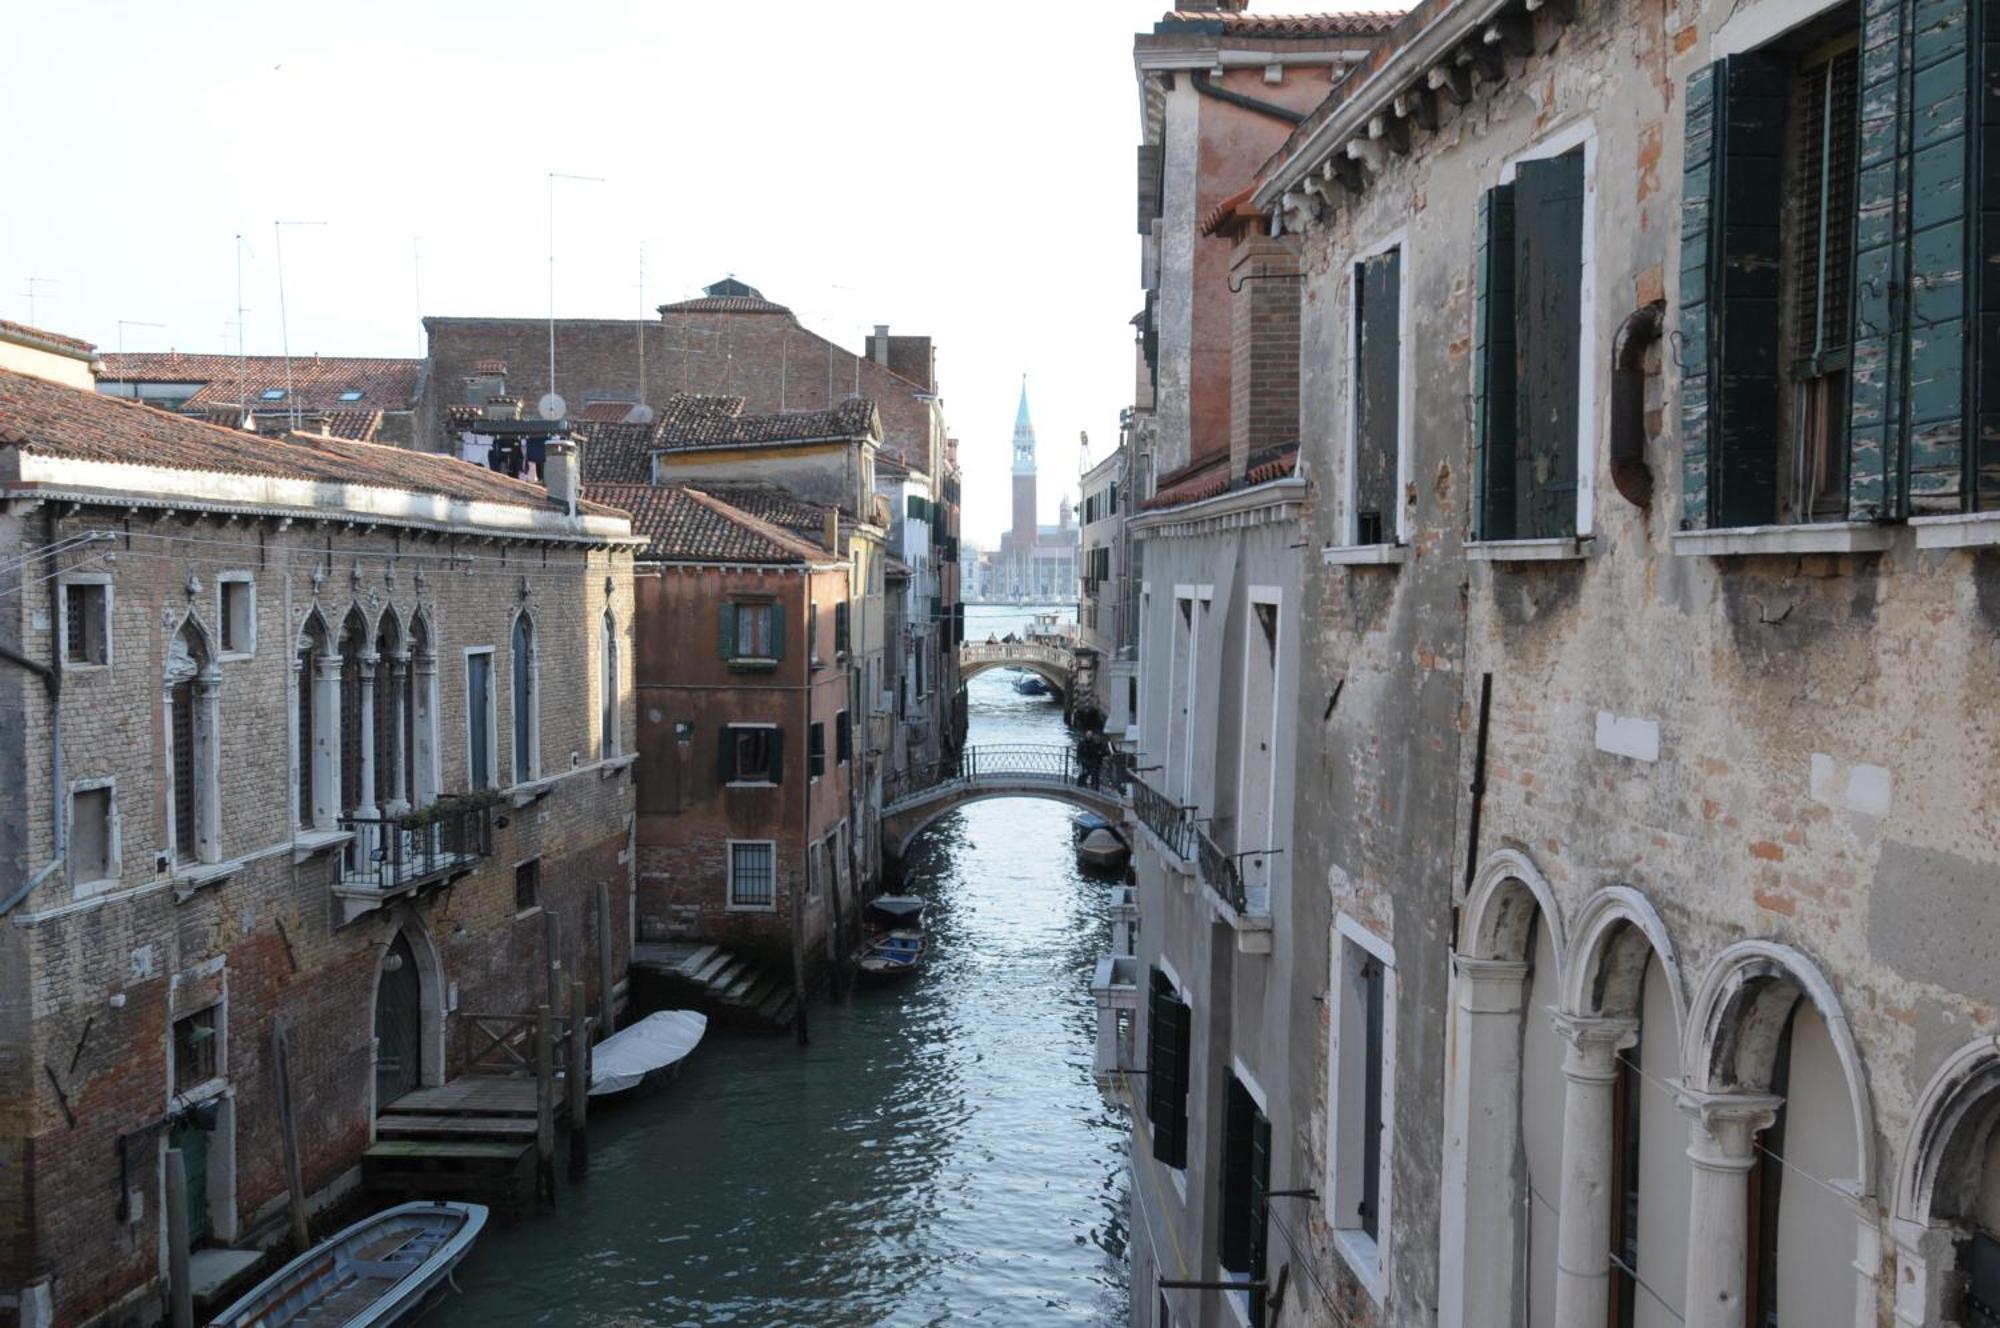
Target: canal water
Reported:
point(938, 1155)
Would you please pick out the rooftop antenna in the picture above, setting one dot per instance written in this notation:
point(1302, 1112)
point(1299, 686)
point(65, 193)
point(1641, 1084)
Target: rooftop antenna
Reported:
point(30, 293)
point(284, 327)
point(242, 367)
point(124, 323)
point(417, 286)
point(552, 405)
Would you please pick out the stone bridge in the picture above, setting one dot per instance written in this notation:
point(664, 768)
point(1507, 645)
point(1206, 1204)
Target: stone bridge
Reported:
point(921, 796)
point(1054, 664)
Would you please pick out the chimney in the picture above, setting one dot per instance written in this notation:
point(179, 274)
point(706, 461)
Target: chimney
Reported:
point(833, 530)
point(878, 345)
point(1263, 347)
point(501, 408)
point(562, 471)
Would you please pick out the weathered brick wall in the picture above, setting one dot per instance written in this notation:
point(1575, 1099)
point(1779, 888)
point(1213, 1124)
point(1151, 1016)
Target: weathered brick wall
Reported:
point(89, 1005)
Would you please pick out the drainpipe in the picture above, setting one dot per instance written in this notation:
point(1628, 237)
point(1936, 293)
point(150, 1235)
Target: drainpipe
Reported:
point(1630, 474)
point(1199, 78)
point(51, 676)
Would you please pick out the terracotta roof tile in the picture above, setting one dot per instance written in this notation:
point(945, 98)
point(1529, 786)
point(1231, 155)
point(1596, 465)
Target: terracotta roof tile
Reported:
point(55, 421)
point(725, 304)
point(1210, 476)
point(605, 412)
point(1359, 23)
point(616, 453)
point(490, 366)
point(43, 334)
point(691, 420)
point(317, 382)
point(687, 525)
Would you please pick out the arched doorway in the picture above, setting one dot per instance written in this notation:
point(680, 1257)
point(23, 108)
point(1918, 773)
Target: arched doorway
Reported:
point(399, 1023)
point(1947, 1214)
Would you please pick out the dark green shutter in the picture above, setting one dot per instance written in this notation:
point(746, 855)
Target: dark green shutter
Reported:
point(777, 612)
point(1548, 270)
point(1875, 414)
point(1260, 1191)
point(1167, 1036)
point(1986, 276)
point(777, 756)
point(725, 753)
point(1941, 174)
point(1731, 216)
point(728, 630)
point(1238, 1113)
point(1378, 390)
point(1493, 367)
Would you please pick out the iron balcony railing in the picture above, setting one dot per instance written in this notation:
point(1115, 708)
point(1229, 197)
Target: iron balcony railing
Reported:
point(393, 853)
point(1171, 823)
point(1222, 872)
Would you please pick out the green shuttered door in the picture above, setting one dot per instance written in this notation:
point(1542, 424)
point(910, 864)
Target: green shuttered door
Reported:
point(1378, 328)
point(1493, 363)
point(1548, 269)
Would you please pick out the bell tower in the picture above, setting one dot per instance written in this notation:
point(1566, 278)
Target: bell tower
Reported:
point(1024, 476)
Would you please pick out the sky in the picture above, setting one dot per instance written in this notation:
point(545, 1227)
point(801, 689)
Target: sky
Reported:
point(958, 170)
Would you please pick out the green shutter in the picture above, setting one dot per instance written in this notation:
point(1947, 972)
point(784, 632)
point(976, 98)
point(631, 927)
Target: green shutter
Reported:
point(1238, 1112)
point(1985, 300)
point(1493, 365)
point(1260, 1192)
point(1378, 392)
point(1731, 229)
point(725, 751)
point(1167, 1037)
point(777, 756)
point(777, 612)
point(1940, 214)
point(728, 630)
point(1875, 417)
point(1548, 272)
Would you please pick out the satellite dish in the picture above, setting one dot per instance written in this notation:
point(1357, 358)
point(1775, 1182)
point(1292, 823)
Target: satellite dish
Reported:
point(639, 415)
point(552, 407)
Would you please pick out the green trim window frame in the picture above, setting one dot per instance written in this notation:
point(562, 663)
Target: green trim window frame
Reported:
point(1169, 1037)
point(752, 754)
point(1533, 387)
point(753, 633)
point(1377, 423)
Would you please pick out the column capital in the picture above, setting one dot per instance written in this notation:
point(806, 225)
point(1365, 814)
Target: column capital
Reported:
point(1594, 1042)
point(1490, 986)
point(1726, 1126)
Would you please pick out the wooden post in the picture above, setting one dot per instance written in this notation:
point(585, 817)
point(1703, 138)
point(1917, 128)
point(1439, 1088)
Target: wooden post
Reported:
point(552, 952)
point(179, 1286)
point(607, 1011)
point(545, 1106)
point(579, 1081)
point(295, 1185)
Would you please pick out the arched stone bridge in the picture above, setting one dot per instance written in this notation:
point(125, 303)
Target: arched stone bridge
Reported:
point(1053, 664)
point(919, 797)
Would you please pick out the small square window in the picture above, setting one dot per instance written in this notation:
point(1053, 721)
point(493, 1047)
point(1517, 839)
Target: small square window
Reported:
point(816, 750)
point(90, 835)
point(528, 885)
point(238, 617)
point(351, 394)
point(196, 1053)
point(272, 394)
point(87, 623)
point(750, 755)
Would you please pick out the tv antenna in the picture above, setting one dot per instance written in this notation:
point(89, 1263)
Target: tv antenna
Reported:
point(30, 293)
point(124, 323)
point(553, 177)
point(284, 327)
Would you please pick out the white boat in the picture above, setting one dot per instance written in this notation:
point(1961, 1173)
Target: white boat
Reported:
point(650, 1050)
point(1102, 849)
point(379, 1271)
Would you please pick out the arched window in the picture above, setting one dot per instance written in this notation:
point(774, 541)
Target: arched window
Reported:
point(305, 680)
point(607, 656)
point(192, 682)
point(391, 670)
point(420, 715)
point(525, 717)
point(357, 668)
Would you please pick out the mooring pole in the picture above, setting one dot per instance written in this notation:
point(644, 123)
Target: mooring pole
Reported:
point(579, 1081)
point(545, 1107)
point(179, 1287)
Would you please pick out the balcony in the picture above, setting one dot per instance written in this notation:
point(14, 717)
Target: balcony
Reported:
point(1115, 989)
point(1245, 907)
point(394, 855)
point(1166, 820)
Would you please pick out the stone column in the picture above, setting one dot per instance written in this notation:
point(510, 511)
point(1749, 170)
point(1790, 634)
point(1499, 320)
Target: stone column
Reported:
point(1583, 1225)
point(425, 778)
point(325, 755)
point(1723, 1147)
point(396, 760)
point(1479, 1234)
point(208, 764)
point(368, 837)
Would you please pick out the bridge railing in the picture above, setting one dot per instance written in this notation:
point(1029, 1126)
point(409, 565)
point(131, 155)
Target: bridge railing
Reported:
point(1007, 762)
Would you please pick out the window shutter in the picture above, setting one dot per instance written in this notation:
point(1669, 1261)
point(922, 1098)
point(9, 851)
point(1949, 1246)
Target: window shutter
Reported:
point(725, 744)
point(1985, 298)
point(777, 612)
point(1874, 409)
point(777, 756)
point(1378, 325)
point(1167, 1031)
point(1237, 1113)
point(1260, 1191)
point(728, 630)
point(1548, 272)
point(1493, 366)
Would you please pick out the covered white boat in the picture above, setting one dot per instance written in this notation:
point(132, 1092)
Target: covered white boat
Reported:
point(650, 1050)
point(1102, 849)
point(379, 1271)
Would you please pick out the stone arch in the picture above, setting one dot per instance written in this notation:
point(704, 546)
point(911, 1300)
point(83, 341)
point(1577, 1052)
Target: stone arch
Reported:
point(1938, 1181)
point(431, 991)
point(524, 696)
point(1501, 910)
point(902, 825)
point(1617, 931)
point(1048, 673)
point(314, 630)
point(1738, 1019)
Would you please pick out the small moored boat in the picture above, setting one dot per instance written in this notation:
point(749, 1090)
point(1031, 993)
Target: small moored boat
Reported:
point(648, 1054)
point(379, 1271)
point(1102, 849)
point(1030, 685)
point(896, 949)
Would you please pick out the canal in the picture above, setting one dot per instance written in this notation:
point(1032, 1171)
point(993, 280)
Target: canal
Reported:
point(939, 1154)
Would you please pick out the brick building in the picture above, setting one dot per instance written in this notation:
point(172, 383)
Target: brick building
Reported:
point(747, 746)
point(298, 729)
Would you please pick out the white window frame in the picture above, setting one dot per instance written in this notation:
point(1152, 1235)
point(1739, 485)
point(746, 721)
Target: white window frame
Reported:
point(235, 578)
point(534, 716)
point(66, 580)
point(1202, 604)
point(734, 725)
point(1350, 518)
point(114, 854)
point(1368, 1258)
point(1275, 597)
point(492, 713)
point(729, 872)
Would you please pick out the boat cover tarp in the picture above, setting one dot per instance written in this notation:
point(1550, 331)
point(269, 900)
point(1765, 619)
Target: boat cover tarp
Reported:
point(1085, 822)
point(899, 907)
point(655, 1042)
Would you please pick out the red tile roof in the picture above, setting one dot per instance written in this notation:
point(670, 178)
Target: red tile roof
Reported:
point(1359, 23)
point(776, 504)
point(608, 412)
point(42, 334)
point(50, 420)
point(615, 453)
point(693, 420)
point(1209, 476)
point(317, 382)
point(687, 525)
point(725, 304)
point(490, 366)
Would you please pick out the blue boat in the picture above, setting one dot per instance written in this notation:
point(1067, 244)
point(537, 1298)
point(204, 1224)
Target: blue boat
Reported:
point(1030, 685)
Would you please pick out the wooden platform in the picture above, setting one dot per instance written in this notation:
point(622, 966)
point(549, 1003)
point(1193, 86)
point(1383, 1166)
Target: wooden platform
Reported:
point(472, 1095)
point(471, 1138)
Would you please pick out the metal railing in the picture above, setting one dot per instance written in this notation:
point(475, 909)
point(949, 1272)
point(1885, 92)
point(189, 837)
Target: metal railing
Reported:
point(1009, 764)
point(1223, 873)
point(1171, 823)
point(387, 854)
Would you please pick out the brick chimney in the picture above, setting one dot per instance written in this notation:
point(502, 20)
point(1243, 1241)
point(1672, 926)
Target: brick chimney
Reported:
point(878, 345)
point(1263, 347)
point(562, 471)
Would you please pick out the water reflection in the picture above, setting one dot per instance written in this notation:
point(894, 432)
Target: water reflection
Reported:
point(939, 1154)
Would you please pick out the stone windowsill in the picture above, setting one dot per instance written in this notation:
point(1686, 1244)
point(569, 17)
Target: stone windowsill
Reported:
point(309, 843)
point(611, 766)
point(1561, 549)
point(1959, 530)
point(1363, 1255)
point(1364, 555)
point(1782, 541)
point(200, 875)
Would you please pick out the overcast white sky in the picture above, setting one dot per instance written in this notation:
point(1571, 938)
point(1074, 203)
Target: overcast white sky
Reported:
point(958, 169)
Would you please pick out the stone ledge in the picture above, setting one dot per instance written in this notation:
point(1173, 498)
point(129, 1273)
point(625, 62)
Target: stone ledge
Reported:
point(1959, 530)
point(1364, 555)
point(1781, 541)
point(1562, 549)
